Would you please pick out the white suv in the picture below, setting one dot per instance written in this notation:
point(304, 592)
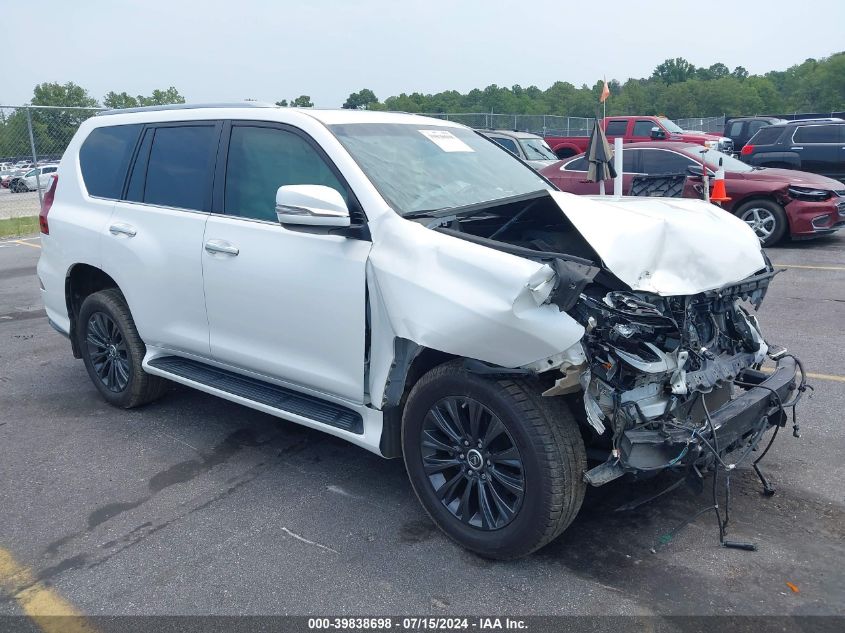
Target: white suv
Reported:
point(408, 285)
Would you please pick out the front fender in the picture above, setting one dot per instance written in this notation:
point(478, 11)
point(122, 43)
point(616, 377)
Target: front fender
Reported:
point(461, 298)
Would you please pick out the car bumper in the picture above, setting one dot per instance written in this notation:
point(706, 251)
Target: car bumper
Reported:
point(735, 423)
point(812, 219)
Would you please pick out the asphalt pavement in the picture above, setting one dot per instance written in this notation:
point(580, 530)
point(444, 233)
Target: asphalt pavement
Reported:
point(194, 505)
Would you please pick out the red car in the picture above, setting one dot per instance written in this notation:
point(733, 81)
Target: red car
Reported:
point(633, 129)
point(774, 202)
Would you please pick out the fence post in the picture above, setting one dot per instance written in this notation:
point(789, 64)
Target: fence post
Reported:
point(34, 156)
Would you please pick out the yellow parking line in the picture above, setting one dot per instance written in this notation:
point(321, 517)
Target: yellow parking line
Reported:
point(832, 377)
point(809, 267)
point(38, 602)
point(22, 243)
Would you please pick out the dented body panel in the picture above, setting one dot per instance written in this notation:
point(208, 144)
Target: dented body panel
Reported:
point(461, 298)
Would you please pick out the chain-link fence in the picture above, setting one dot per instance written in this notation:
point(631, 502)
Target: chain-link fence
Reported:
point(554, 125)
point(542, 124)
point(711, 125)
point(32, 141)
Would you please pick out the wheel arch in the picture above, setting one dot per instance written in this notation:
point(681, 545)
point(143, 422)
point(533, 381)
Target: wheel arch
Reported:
point(81, 281)
point(411, 362)
point(760, 197)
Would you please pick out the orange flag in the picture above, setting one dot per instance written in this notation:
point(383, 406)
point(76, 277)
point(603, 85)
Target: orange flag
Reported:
point(605, 92)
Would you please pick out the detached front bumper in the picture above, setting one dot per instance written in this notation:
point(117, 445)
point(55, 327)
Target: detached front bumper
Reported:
point(734, 423)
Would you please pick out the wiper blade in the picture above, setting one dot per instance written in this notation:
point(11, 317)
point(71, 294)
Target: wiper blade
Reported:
point(424, 213)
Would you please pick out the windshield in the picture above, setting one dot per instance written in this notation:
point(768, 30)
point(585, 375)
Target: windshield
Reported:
point(670, 125)
point(712, 156)
point(537, 149)
point(426, 167)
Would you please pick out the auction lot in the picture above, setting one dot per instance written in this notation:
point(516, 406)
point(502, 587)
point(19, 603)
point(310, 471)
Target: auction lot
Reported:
point(194, 505)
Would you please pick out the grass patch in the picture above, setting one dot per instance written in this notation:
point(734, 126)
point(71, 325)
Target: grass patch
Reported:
point(18, 226)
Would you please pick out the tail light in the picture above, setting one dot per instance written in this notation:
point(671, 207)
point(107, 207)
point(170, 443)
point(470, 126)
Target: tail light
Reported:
point(46, 203)
point(746, 150)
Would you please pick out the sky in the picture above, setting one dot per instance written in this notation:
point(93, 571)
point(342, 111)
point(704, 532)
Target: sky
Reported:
point(230, 50)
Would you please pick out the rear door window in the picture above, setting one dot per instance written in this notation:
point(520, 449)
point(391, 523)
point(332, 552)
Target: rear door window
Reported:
point(179, 168)
point(616, 128)
point(658, 161)
point(817, 134)
point(104, 157)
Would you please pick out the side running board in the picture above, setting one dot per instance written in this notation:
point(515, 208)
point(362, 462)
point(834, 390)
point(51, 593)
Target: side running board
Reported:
point(262, 392)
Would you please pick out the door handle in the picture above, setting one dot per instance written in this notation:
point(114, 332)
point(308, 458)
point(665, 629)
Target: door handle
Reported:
point(122, 228)
point(221, 246)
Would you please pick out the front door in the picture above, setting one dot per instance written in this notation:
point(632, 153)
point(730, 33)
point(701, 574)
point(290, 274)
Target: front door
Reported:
point(285, 303)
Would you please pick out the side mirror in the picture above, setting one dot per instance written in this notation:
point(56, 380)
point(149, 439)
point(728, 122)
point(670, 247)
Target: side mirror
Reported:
point(657, 132)
point(311, 205)
point(696, 171)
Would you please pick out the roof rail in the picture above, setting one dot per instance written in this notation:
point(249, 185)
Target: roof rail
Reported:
point(189, 106)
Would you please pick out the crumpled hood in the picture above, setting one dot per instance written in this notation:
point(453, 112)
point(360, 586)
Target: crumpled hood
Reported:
point(668, 246)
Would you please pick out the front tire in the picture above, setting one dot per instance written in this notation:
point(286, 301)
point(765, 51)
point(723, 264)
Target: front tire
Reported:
point(766, 218)
point(497, 466)
point(113, 351)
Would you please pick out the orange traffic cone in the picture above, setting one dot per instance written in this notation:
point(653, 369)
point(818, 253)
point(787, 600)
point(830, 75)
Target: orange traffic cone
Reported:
point(719, 194)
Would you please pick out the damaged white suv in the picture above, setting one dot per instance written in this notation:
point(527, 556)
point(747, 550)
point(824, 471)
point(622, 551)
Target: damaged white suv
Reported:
point(406, 284)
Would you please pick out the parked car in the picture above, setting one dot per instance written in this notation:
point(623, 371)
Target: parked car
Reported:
point(817, 146)
point(7, 175)
point(404, 284)
point(773, 202)
point(634, 129)
point(740, 129)
point(30, 180)
point(11, 176)
point(529, 147)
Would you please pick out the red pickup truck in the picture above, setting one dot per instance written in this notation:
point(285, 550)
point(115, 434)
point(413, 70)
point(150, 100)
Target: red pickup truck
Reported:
point(635, 129)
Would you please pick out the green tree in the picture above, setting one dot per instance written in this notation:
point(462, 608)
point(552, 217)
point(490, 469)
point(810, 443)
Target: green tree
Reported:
point(56, 94)
point(302, 101)
point(158, 97)
point(52, 129)
point(362, 100)
point(673, 71)
point(118, 101)
point(283, 103)
point(161, 97)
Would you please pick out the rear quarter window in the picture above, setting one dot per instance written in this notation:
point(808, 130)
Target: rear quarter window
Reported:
point(104, 158)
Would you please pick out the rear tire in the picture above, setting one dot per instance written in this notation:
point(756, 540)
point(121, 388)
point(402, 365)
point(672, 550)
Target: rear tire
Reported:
point(113, 351)
point(531, 471)
point(767, 218)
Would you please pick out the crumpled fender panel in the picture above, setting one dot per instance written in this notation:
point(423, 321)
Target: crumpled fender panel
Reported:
point(667, 246)
point(458, 297)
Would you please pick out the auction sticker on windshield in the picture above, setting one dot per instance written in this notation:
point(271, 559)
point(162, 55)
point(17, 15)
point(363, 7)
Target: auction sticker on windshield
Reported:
point(446, 141)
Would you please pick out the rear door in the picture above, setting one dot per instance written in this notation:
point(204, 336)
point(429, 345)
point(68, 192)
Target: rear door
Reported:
point(284, 303)
point(573, 179)
point(614, 128)
point(154, 239)
point(820, 148)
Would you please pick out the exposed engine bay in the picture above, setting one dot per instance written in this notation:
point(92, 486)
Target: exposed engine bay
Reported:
point(664, 375)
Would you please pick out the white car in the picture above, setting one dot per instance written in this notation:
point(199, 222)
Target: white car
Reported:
point(33, 179)
point(529, 147)
point(406, 285)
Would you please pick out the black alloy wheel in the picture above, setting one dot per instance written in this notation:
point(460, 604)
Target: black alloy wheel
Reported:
point(472, 463)
point(107, 351)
